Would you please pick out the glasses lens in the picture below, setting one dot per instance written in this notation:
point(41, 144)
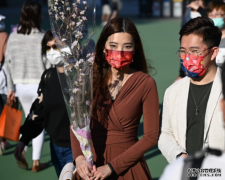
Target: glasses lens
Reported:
point(48, 48)
point(193, 52)
point(55, 47)
point(181, 54)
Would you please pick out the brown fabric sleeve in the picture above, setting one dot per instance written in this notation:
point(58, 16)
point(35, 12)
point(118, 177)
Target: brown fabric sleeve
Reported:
point(76, 151)
point(151, 130)
point(4, 37)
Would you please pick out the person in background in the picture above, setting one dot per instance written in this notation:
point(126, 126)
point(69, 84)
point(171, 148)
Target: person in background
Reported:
point(25, 66)
point(4, 144)
point(145, 8)
point(116, 7)
point(49, 110)
point(192, 9)
point(106, 12)
point(214, 160)
point(197, 8)
point(216, 11)
point(191, 112)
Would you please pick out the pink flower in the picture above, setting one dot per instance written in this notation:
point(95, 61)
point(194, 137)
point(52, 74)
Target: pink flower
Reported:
point(84, 2)
point(71, 100)
point(79, 23)
point(82, 12)
point(81, 61)
point(79, 35)
point(56, 17)
point(88, 103)
point(73, 115)
point(91, 59)
point(84, 18)
point(74, 44)
point(78, 1)
point(88, 55)
point(75, 90)
point(74, 15)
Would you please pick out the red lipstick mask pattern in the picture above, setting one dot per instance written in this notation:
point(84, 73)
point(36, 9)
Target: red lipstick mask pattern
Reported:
point(119, 59)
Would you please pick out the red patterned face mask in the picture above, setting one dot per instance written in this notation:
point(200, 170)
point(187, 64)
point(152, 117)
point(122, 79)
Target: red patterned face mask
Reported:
point(119, 59)
point(192, 65)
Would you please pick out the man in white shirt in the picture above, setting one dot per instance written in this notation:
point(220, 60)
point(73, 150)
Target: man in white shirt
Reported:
point(212, 161)
point(191, 118)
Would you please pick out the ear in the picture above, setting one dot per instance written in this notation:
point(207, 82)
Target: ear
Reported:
point(214, 53)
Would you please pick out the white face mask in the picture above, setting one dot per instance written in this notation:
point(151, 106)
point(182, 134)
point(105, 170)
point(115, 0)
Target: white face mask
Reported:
point(55, 57)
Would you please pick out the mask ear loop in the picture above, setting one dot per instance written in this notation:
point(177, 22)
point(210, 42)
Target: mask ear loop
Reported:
point(209, 62)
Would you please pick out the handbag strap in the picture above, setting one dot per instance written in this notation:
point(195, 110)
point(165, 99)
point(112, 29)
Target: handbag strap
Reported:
point(12, 104)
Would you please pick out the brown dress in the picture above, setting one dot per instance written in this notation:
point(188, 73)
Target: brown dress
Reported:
point(116, 141)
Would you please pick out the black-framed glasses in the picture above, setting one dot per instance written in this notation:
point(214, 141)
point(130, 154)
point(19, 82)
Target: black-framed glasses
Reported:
point(48, 48)
point(181, 53)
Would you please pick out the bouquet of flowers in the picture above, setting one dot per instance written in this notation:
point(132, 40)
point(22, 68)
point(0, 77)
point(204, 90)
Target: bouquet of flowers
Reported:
point(72, 24)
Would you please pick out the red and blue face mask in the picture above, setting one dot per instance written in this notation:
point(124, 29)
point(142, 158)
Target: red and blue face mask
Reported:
point(119, 59)
point(192, 65)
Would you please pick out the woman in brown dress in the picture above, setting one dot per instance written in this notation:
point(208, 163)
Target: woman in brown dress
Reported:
point(123, 92)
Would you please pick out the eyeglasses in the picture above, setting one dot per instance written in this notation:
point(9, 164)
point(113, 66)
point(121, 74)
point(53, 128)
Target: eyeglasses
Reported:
point(217, 15)
point(181, 53)
point(48, 48)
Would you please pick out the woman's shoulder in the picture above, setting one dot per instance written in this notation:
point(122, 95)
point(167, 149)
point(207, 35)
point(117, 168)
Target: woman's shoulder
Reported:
point(47, 71)
point(142, 81)
point(40, 33)
point(13, 34)
point(144, 77)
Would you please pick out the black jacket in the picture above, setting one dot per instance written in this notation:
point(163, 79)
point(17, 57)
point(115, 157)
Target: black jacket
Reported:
point(51, 112)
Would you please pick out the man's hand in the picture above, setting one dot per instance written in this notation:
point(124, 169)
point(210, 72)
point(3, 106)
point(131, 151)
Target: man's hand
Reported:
point(101, 172)
point(83, 168)
point(11, 96)
point(18, 151)
point(184, 155)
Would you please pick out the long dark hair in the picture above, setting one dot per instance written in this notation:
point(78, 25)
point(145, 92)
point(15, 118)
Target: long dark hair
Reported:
point(102, 70)
point(101, 66)
point(47, 37)
point(30, 17)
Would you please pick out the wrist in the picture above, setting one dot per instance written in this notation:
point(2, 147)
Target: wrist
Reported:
point(80, 158)
point(111, 168)
point(179, 155)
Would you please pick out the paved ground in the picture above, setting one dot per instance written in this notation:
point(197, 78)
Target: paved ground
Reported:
point(161, 40)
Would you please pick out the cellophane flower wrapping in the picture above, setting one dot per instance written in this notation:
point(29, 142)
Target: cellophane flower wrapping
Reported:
point(72, 24)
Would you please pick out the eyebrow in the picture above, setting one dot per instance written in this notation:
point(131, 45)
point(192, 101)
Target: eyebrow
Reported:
point(193, 47)
point(117, 43)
